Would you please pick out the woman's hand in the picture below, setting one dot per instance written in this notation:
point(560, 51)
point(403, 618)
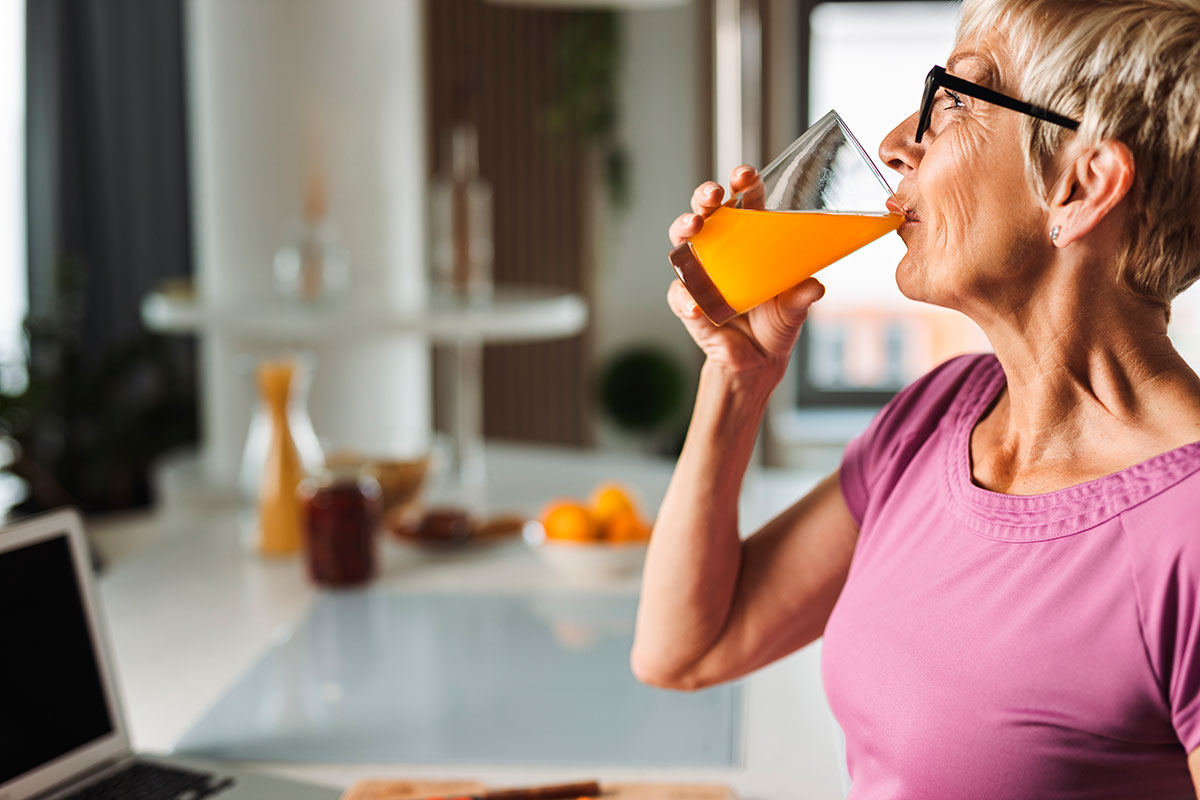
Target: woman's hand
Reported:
point(764, 337)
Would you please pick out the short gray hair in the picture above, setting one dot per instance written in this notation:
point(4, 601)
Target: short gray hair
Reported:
point(1129, 70)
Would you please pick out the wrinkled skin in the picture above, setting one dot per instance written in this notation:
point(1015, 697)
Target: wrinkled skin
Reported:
point(976, 236)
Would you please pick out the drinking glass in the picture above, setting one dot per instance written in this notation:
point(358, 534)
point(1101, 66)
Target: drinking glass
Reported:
point(821, 199)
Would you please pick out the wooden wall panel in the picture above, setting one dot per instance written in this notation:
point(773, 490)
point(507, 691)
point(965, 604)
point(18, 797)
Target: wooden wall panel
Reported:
point(494, 66)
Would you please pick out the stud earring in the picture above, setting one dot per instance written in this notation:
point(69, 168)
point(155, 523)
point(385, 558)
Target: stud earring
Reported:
point(1054, 233)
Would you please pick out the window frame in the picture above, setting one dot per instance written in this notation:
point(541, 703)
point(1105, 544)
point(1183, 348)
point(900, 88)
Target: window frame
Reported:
point(806, 394)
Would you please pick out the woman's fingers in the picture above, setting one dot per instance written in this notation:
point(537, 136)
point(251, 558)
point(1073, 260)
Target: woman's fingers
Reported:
point(745, 179)
point(754, 196)
point(680, 302)
point(707, 198)
point(740, 178)
point(685, 225)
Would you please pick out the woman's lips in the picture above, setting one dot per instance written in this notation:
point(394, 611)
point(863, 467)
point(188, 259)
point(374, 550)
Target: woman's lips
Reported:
point(894, 206)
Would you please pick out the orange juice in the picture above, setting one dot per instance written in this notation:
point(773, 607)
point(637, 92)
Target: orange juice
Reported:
point(742, 257)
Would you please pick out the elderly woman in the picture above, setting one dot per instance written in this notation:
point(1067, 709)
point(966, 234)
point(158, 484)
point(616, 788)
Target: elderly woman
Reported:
point(1006, 567)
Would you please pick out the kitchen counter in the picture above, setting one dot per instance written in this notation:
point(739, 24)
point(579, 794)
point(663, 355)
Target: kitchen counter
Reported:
point(191, 612)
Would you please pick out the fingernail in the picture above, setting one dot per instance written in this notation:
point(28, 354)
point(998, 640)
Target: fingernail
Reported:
point(742, 172)
point(689, 219)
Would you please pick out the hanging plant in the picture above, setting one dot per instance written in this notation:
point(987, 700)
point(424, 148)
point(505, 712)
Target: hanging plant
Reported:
point(584, 109)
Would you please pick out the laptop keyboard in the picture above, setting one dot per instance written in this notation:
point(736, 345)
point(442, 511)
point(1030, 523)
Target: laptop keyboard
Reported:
point(144, 781)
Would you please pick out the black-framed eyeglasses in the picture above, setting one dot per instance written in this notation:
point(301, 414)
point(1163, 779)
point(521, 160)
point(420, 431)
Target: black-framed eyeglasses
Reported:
point(938, 77)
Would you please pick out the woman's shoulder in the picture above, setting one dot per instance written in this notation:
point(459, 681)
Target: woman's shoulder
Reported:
point(1162, 539)
point(949, 378)
point(906, 424)
point(923, 404)
point(1164, 526)
point(1162, 535)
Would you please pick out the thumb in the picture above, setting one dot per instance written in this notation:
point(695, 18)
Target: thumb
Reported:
point(794, 303)
point(776, 330)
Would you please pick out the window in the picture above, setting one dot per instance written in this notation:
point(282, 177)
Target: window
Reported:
point(13, 289)
point(865, 340)
point(1185, 325)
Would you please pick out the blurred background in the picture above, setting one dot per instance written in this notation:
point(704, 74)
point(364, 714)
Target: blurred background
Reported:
point(455, 210)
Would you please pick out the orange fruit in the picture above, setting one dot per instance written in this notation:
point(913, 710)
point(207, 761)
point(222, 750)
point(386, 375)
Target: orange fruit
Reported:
point(626, 526)
point(610, 500)
point(569, 521)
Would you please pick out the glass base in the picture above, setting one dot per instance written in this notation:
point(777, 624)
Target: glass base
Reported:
point(695, 279)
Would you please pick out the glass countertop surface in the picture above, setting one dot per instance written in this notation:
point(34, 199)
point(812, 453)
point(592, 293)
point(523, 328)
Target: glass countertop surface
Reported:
point(388, 677)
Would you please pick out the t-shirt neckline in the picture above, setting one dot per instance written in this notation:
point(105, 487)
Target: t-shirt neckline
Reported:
point(1031, 518)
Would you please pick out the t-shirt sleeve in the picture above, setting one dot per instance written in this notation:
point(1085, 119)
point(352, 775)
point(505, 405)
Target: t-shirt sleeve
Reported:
point(913, 414)
point(1167, 573)
point(862, 459)
point(1184, 686)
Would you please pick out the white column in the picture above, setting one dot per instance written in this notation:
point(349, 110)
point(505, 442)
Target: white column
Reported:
point(276, 87)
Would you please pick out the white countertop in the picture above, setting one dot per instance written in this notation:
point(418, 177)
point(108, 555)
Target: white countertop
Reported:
point(190, 611)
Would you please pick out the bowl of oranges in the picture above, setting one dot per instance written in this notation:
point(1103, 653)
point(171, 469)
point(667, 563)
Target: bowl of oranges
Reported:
point(602, 537)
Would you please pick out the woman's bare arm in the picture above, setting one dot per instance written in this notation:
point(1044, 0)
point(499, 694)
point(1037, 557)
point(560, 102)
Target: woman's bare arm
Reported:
point(713, 607)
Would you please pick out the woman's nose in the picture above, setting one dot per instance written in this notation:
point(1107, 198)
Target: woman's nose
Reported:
point(899, 149)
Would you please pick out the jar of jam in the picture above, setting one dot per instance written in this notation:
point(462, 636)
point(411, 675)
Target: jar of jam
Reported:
point(341, 515)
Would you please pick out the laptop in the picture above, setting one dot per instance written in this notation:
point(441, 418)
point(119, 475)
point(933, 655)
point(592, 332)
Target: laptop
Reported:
point(62, 729)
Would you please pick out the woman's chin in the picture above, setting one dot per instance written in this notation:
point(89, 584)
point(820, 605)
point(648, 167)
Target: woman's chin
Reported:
point(909, 279)
point(917, 283)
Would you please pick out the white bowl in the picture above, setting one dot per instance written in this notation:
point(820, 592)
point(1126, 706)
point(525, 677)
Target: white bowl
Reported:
point(586, 560)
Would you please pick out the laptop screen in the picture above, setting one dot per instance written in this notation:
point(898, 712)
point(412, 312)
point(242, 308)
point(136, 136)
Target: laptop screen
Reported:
point(53, 700)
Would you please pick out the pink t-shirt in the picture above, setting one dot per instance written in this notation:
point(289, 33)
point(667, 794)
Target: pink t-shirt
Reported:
point(990, 645)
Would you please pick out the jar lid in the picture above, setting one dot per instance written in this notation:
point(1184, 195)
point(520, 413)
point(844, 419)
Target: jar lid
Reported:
point(359, 475)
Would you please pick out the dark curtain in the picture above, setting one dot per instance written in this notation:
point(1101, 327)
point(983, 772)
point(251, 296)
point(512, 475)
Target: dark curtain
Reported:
point(107, 193)
point(107, 154)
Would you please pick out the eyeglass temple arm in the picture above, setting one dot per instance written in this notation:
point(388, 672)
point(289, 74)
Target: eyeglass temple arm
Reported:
point(984, 93)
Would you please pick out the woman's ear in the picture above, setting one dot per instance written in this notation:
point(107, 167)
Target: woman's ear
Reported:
point(1094, 183)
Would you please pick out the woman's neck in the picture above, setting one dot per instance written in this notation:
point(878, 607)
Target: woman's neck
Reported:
point(1087, 394)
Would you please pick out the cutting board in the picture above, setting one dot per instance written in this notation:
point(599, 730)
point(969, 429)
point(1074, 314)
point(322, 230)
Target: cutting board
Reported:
point(418, 790)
